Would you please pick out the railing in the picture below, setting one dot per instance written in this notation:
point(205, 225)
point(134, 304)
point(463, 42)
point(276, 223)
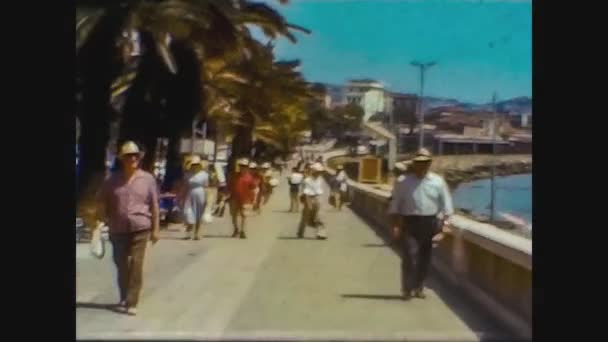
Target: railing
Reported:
point(490, 265)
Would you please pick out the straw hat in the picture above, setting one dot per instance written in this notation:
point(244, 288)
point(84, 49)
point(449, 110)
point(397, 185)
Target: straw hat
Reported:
point(129, 147)
point(253, 165)
point(266, 166)
point(194, 160)
point(423, 155)
point(317, 167)
point(244, 162)
point(400, 166)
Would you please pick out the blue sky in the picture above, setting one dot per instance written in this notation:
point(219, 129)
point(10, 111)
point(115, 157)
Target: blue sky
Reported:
point(480, 46)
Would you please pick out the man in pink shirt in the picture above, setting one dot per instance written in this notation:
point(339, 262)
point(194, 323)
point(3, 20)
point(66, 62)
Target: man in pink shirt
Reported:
point(129, 204)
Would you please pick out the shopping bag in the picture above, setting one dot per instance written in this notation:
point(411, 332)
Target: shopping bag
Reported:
point(207, 217)
point(98, 238)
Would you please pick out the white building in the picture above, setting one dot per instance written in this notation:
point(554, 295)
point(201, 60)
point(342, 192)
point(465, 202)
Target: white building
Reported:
point(369, 94)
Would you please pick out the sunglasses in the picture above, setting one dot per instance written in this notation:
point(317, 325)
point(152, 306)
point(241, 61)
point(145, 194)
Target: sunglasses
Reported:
point(132, 155)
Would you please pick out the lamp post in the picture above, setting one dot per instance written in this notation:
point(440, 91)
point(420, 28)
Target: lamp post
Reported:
point(423, 67)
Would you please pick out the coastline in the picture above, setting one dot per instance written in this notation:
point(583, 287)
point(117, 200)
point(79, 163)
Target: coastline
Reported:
point(464, 169)
point(458, 169)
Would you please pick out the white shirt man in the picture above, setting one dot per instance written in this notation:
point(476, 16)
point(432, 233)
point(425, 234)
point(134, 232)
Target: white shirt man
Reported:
point(421, 197)
point(313, 186)
point(416, 202)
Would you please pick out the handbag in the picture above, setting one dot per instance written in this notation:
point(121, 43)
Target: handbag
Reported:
point(207, 217)
point(98, 241)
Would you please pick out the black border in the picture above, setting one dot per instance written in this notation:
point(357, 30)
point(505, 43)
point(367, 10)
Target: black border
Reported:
point(38, 234)
point(38, 238)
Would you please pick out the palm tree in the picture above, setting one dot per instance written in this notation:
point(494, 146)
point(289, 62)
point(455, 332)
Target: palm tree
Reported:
point(141, 50)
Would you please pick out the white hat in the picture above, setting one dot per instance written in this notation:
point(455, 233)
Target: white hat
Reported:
point(423, 155)
point(266, 166)
point(194, 160)
point(400, 166)
point(244, 162)
point(129, 147)
point(317, 167)
point(253, 165)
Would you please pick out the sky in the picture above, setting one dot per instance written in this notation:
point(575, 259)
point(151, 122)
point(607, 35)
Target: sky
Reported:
point(480, 47)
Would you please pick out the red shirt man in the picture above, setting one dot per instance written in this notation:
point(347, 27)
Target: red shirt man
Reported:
point(243, 186)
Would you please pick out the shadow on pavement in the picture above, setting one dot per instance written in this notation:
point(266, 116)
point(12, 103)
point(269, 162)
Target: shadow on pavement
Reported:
point(373, 296)
point(469, 311)
point(295, 238)
point(374, 245)
point(285, 212)
point(96, 306)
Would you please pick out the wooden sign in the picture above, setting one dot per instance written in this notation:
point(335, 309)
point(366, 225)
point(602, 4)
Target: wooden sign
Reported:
point(370, 170)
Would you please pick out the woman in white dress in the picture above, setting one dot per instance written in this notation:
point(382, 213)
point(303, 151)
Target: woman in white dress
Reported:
point(194, 197)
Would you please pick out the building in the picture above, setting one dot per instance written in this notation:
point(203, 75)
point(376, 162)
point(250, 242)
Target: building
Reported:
point(521, 120)
point(465, 144)
point(334, 96)
point(367, 93)
point(402, 107)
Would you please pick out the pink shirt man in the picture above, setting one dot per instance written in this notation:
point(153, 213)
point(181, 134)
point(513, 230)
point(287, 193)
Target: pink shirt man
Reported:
point(128, 205)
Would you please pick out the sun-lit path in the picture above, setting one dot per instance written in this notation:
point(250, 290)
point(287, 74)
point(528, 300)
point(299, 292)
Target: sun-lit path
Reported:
point(272, 285)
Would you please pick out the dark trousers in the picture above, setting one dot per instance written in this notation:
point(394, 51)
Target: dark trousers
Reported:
point(294, 200)
point(128, 253)
point(416, 245)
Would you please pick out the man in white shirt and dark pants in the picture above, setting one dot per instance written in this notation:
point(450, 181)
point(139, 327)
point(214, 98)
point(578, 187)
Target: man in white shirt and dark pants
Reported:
point(312, 192)
point(417, 201)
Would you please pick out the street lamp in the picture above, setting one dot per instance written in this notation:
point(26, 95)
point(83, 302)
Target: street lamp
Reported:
point(423, 67)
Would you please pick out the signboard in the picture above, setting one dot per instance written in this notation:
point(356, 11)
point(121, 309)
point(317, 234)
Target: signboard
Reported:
point(201, 147)
point(370, 170)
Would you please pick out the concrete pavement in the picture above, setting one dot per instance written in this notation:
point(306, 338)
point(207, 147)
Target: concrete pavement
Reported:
point(274, 286)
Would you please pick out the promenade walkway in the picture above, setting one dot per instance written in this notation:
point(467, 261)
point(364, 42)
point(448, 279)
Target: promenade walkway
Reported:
point(274, 286)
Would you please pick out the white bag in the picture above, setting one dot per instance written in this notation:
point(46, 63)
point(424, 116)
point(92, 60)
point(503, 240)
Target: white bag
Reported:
point(273, 182)
point(207, 217)
point(98, 243)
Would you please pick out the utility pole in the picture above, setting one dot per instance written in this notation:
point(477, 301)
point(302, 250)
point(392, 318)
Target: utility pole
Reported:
point(493, 169)
point(423, 67)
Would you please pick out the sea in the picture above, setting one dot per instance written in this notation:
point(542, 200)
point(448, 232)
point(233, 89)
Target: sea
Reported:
point(513, 196)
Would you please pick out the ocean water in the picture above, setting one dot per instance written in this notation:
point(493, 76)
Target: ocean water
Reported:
point(513, 196)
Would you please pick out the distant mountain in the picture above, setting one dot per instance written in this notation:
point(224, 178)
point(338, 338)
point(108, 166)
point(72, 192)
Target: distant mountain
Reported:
point(517, 105)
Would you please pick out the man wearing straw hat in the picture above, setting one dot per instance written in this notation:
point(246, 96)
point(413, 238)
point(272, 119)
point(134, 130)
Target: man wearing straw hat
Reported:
point(129, 204)
point(242, 188)
point(416, 203)
point(313, 189)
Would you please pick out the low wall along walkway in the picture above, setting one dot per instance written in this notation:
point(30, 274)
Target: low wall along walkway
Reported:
point(491, 266)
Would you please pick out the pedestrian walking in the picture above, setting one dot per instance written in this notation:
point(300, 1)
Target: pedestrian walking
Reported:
point(129, 204)
point(266, 186)
point(242, 186)
point(195, 195)
point(340, 187)
point(295, 182)
point(311, 193)
point(417, 201)
point(258, 180)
